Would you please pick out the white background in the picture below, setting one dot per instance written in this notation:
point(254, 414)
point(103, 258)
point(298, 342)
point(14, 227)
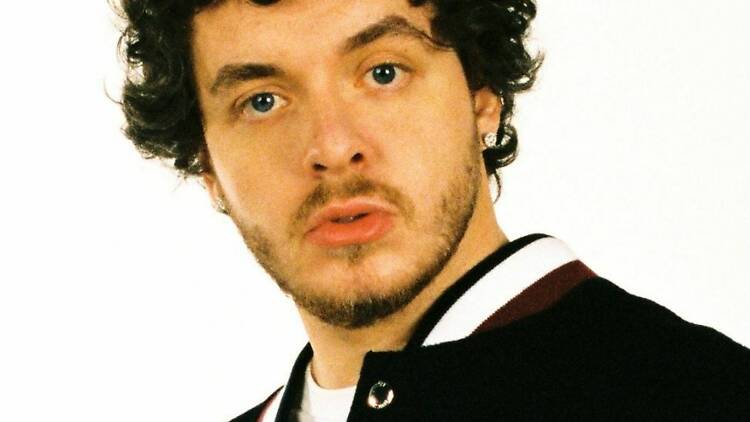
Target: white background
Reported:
point(125, 297)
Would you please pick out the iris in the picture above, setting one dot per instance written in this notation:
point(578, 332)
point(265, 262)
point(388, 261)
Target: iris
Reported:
point(263, 102)
point(384, 74)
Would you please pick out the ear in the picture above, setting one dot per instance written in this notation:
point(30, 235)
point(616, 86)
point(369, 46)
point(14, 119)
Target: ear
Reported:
point(209, 180)
point(211, 183)
point(487, 106)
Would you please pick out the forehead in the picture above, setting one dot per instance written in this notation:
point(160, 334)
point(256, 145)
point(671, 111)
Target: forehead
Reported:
point(235, 30)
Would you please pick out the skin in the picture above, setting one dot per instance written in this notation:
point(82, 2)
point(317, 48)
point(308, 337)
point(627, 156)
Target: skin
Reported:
point(416, 141)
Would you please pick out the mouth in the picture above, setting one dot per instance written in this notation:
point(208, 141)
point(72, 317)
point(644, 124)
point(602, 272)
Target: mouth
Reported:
point(354, 222)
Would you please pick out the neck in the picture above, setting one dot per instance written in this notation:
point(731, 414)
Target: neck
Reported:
point(339, 352)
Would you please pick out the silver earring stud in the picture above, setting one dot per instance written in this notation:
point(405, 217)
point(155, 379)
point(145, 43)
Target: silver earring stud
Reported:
point(221, 206)
point(490, 140)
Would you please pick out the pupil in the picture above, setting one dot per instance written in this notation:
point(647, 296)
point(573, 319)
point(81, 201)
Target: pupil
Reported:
point(263, 102)
point(384, 74)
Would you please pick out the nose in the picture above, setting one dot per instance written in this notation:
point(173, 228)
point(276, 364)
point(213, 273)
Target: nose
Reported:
point(337, 161)
point(336, 146)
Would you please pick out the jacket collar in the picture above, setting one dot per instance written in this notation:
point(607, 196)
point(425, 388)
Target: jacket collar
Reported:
point(521, 278)
point(534, 258)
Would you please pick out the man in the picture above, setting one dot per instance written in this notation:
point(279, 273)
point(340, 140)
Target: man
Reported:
point(353, 145)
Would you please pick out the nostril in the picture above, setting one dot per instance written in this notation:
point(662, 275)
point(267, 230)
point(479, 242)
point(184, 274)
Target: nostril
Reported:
point(318, 167)
point(357, 158)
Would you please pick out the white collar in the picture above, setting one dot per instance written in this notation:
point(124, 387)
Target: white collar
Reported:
point(504, 282)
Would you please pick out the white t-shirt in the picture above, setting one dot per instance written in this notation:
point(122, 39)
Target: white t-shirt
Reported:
point(324, 405)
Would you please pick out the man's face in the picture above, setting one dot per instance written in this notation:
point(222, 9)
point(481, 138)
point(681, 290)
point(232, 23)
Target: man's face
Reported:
point(344, 143)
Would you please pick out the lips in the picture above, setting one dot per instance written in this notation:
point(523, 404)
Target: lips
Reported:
point(353, 222)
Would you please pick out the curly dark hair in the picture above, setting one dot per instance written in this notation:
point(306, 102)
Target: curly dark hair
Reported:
point(159, 96)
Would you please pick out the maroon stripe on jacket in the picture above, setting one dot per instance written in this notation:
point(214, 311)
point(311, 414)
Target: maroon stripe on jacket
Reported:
point(539, 296)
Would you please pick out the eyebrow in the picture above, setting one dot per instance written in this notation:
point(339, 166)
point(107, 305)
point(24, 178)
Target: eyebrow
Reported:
point(234, 73)
point(388, 26)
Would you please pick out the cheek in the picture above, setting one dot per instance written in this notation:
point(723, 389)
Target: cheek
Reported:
point(434, 141)
point(253, 186)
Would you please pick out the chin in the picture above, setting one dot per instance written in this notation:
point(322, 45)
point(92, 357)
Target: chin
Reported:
point(364, 286)
point(356, 272)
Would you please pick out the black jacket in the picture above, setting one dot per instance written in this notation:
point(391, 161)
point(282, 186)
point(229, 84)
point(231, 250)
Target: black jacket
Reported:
point(572, 346)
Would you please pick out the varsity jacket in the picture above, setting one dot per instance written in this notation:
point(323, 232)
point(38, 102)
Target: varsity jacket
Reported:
point(532, 334)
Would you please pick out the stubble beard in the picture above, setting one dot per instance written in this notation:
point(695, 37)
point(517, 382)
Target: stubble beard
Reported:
point(450, 222)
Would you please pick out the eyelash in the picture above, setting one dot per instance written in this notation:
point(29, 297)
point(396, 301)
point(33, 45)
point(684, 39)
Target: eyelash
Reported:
point(246, 106)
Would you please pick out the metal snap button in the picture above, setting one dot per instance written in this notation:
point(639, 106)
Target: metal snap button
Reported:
point(381, 395)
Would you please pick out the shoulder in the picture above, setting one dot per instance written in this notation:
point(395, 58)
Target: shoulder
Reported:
point(255, 414)
point(598, 316)
point(638, 348)
point(613, 313)
point(599, 350)
point(607, 314)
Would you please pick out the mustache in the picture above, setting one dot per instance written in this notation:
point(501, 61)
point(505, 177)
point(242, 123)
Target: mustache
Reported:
point(355, 186)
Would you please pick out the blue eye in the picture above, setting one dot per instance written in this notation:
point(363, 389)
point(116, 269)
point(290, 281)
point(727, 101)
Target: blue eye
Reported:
point(384, 73)
point(263, 103)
